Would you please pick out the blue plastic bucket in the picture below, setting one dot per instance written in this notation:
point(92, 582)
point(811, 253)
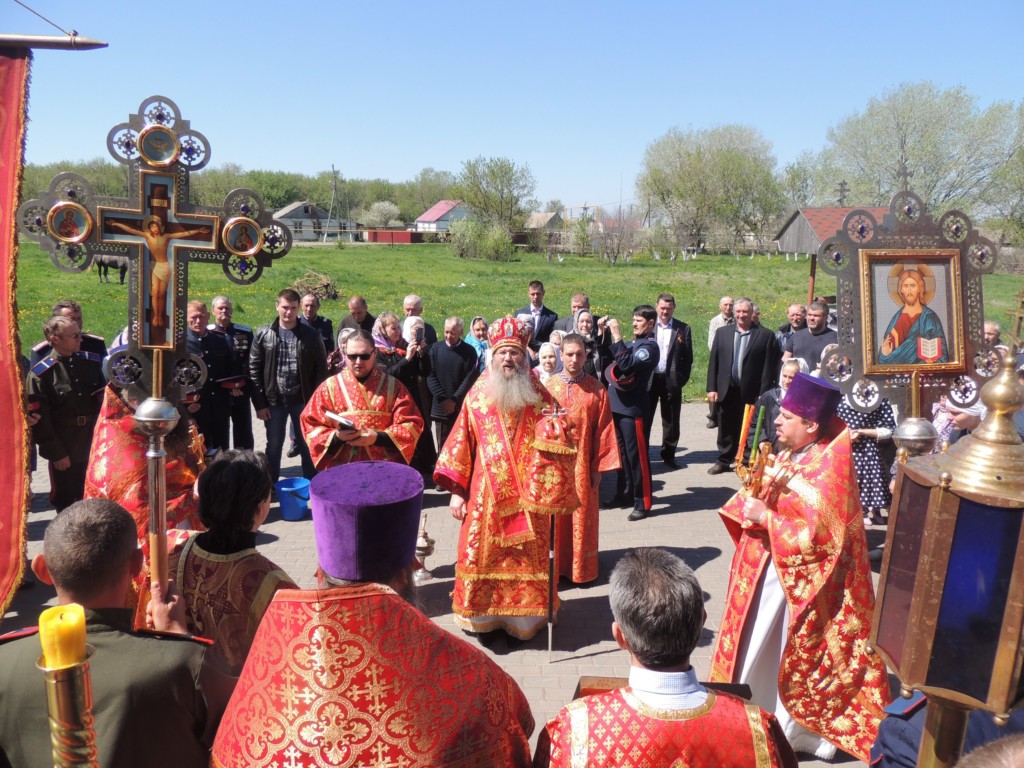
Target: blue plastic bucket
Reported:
point(293, 495)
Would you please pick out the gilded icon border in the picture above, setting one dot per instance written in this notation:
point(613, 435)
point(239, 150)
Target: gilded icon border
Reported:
point(240, 226)
point(939, 269)
point(80, 219)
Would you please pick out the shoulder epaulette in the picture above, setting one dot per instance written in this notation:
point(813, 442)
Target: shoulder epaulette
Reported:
point(174, 636)
point(94, 336)
point(91, 356)
point(243, 328)
point(216, 329)
point(905, 707)
point(18, 634)
point(44, 365)
point(42, 347)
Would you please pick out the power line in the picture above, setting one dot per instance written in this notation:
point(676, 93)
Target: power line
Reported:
point(72, 33)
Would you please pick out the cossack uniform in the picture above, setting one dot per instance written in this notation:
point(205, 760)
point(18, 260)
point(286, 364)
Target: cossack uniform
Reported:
point(67, 392)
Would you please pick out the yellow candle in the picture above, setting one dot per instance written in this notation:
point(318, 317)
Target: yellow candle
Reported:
point(62, 634)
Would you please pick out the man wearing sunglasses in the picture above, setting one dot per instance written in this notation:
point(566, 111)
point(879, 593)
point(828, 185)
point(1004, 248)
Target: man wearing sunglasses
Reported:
point(362, 413)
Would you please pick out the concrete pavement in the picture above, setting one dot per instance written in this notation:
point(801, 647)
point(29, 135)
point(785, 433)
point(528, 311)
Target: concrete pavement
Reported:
point(684, 521)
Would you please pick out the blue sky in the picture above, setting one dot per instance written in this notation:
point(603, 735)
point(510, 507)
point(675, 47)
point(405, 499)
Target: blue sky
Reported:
point(575, 90)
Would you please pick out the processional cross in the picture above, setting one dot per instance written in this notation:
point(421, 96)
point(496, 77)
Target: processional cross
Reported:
point(161, 233)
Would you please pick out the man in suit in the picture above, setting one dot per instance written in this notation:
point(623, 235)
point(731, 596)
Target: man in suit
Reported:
point(579, 301)
point(744, 363)
point(675, 344)
point(543, 318)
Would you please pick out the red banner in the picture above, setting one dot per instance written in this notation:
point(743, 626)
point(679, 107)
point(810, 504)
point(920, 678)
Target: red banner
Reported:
point(14, 490)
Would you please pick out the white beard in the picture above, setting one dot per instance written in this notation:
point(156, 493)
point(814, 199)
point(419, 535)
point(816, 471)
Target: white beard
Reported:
point(512, 391)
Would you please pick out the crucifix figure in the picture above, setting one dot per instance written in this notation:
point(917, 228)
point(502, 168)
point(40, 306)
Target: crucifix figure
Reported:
point(160, 232)
point(162, 229)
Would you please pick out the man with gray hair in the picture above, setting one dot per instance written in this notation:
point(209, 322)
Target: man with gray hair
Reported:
point(744, 363)
point(665, 715)
point(453, 370)
point(412, 306)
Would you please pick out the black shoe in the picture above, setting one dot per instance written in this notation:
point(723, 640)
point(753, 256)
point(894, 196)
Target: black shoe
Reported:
point(637, 514)
point(717, 469)
point(711, 424)
point(617, 502)
point(669, 461)
point(293, 451)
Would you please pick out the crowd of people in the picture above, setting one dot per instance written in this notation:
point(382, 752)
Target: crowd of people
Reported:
point(528, 411)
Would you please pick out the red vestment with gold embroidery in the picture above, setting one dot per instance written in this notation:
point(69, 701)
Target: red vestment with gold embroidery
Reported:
point(616, 729)
point(381, 402)
point(355, 676)
point(814, 536)
point(492, 459)
point(118, 469)
point(225, 595)
point(576, 537)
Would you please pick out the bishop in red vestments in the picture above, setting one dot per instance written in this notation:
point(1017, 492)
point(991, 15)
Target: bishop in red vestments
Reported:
point(387, 421)
point(800, 586)
point(664, 717)
point(505, 486)
point(351, 674)
point(597, 451)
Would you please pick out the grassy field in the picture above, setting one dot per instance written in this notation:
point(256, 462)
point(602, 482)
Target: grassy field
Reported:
point(451, 286)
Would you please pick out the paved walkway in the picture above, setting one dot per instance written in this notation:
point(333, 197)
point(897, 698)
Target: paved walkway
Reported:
point(684, 521)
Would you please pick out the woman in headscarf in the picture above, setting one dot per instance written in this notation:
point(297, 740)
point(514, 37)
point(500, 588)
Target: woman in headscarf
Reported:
point(550, 361)
point(407, 361)
point(771, 399)
point(477, 339)
point(598, 342)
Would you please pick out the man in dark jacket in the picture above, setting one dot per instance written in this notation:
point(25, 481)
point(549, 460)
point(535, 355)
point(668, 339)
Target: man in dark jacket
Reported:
point(213, 410)
point(453, 370)
point(629, 386)
point(744, 363)
point(287, 362)
point(675, 345)
point(64, 388)
point(239, 338)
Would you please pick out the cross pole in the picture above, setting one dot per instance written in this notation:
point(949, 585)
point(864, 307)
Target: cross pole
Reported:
point(161, 233)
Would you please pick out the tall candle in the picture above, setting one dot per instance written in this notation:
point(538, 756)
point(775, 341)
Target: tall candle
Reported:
point(748, 417)
point(62, 634)
point(757, 431)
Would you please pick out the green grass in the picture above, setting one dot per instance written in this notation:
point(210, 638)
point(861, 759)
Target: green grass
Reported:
point(450, 286)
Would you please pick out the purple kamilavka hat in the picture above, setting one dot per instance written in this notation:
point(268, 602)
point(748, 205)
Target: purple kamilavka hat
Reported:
point(365, 518)
point(812, 399)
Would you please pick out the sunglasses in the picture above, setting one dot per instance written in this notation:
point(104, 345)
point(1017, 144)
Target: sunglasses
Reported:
point(359, 356)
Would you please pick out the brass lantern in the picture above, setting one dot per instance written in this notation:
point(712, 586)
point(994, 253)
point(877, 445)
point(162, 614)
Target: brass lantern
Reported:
point(950, 608)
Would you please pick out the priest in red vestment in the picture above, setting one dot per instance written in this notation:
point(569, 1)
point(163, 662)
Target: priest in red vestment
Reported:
point(597, 451)
point(505, 486)
point(664, 717)
point(118, 469)
point(800, 598)
point(387, 423)
point(351, 674)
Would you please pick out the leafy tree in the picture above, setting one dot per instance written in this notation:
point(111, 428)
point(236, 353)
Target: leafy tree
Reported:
point(1003, 199)
point(277, 188)
point(701, 183)
point(579, 235)
point(417, 195)
point(211, 185)
point(951, 147)
point(380, 214)
point(798, 181)
point(105, 177)
point(553, 206)
point(496, 190)
point(465, 237)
